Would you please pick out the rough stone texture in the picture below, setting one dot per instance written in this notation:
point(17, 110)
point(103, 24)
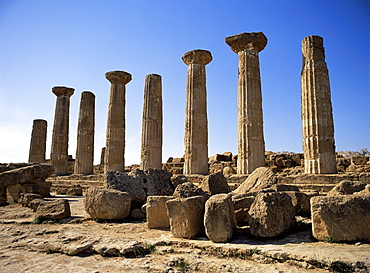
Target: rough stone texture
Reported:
point(137, 214)
point(228, 170)
point(152, 124)
point(178, 179)
point(26, 198)
point(34, 204)
point(156, 212)
point(271, 214)
point(359, 160)
point(25, 180)
point(346, 187)
point(38, 141)
point(188, 189)
point(284, 187)
point(59, 145)
point(115, 135)
point(261, 178)
point(242, 204)
point(57, 209)
point(186, 216)
point(300, 202)
point(3, 196)
point(251, 144)
point(141, 184)
point(219, 218)
point(341, 218)
point(317, 113)
point(84, 163)
point(214, 184)
point(365, 191)
point(76, 190)
point(107, 204)
point(196, 122)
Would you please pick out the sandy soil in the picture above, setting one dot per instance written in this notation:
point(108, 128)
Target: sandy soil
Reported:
point(82, 245)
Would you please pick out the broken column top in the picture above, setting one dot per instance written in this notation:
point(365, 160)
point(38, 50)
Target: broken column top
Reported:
point(197, 56)
point(63, 91)
point(244, 41)
point(313, 48)
point(118, 77)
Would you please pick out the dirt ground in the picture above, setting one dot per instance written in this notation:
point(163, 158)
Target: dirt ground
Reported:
point(84, 245)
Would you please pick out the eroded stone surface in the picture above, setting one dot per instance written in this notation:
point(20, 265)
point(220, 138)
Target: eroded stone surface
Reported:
point(261, 178)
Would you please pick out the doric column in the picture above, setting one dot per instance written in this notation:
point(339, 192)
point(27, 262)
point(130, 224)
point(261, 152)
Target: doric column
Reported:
point(38, 141)
point(59, 145)
point(317, 113)
point(251, 144)
point(196, 123)
point(102, 156)
point(84, 163)
point(151, 138)
point(115, 138)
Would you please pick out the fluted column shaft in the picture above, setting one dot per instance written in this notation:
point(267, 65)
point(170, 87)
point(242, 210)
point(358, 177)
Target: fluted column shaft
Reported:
point(38, 141)
point(84, 163)
point(59, 146)
point(317, 113)
point(196, 122)
point(115, 136)
point(152, 124)
point(251, 144)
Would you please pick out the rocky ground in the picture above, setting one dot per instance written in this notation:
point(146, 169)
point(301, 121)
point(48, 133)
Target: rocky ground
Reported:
point(84, 245)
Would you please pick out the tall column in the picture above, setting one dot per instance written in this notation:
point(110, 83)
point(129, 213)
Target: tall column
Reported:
point(317, 113)
point(115, 138)
point(84, 163)
point(151, 138)
point(59, 145)
point(251, 144)
point(38, 141)
point(196, 123)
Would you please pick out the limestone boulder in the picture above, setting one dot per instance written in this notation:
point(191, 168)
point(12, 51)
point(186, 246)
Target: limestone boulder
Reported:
point(341, 218)
point(347, 187)
point(219, 218)
point(186, 216)
point(156, 212)
point(188, 189)
point(284, 187)
point(178, 179)
point(242, 203)
point(137, 214)
point(300, 202)
point(365, 191)
point(359, 160)
point(32, 173)
point(141, 184)
point(107, 204)
point(26, 198)
point(271, 214)
point(228, 170)
point(56, 209)
point(261, 178)
point(76, 190)
point(214, 184)
point(34, 204)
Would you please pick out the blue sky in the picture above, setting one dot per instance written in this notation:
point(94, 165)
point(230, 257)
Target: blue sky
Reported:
point(73, 43)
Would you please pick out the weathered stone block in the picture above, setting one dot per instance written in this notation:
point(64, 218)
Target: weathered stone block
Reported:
point(261, 178)
point(186, 216)
point(346, 187)
point(56, 209)
point(156, 212)
point(214, 184)
point(188, 189)
point(26, 198)
point(219, 218)
point(341, 218)
point(359, 159)
point(107, 204)
point(271, 214)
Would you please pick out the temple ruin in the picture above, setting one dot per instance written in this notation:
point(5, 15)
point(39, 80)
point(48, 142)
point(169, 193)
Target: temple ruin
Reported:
point(251, 144)
point(317, 113)
point(38, 141)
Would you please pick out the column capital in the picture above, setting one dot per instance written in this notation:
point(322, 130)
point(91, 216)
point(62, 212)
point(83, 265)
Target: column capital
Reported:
point(63, 91)
point(313, 48)
point(118, 77)
point(197, 56)
point(245, 41)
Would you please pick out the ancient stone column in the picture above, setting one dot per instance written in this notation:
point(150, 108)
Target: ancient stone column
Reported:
point(151, 138)
point(317, 113)
point(59, 145)
point(115, 137)
point(38, 141)
point(196, 123)
point(84, 163)
point(102, 156)
point(251, 144)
